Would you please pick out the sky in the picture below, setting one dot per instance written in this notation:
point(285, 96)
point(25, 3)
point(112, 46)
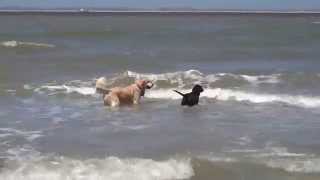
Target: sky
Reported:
point(148, 4)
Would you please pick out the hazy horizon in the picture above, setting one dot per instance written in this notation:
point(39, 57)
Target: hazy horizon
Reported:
point(153, 9)
point(160, 4)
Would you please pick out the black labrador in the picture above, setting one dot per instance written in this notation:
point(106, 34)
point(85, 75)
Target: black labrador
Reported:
point(192, 98)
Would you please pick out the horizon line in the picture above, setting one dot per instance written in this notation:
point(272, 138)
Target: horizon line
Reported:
point(101, 10)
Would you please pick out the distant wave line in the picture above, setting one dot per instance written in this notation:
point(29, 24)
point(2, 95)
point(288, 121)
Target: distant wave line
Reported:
point(88, 11)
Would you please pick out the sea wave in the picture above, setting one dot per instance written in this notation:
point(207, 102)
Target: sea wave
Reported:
point(187, 78)
point(234, 95)
point(275, 156)
point(112, 168)
point(183, 81)
point(13, 43)
point(218, 158)
point(280, 157)
point(291, 164)
point(311, 165)
point(27, 135)
point(217, 93)
point(179, 79)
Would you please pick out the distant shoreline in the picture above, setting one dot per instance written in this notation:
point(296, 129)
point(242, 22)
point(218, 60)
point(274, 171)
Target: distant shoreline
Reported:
point(151, 12)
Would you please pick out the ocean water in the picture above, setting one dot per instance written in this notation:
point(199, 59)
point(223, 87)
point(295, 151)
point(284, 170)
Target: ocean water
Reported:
point(258, 117)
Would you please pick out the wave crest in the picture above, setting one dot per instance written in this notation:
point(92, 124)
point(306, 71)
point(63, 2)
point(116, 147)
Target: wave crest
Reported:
point(111, 168)
point(183, 81)
point(12, 44)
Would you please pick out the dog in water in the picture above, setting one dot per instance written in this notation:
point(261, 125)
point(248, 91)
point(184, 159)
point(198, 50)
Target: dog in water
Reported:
point(192, 98)
point(122, 95)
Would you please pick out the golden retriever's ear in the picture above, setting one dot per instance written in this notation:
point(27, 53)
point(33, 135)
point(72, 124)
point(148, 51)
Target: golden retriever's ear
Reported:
point(140, 83)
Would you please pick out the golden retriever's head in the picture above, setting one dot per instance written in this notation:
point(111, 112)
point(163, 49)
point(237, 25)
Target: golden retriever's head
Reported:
point(143, 85)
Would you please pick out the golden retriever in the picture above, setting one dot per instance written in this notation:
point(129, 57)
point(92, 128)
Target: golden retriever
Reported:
point(122, 95)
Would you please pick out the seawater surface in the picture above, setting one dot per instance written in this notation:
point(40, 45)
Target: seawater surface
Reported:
point(258, 117)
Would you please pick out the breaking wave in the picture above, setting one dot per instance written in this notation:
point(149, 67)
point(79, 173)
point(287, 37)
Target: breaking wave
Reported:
point(218, 94)
point(111, 168)
point(188, 78)
point(272, 157)
point(280, 157)
point(12, 44)
point(296, 165)
point(183, 81)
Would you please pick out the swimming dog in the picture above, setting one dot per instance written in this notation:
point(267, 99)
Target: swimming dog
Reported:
point(192, 98)
point(122, 95)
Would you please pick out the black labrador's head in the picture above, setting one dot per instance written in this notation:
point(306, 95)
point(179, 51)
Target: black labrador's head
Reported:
point(197, 89)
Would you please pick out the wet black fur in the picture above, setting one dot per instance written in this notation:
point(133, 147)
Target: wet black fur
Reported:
point(192, 98)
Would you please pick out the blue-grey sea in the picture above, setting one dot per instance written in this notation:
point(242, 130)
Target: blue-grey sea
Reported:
point(258, 117)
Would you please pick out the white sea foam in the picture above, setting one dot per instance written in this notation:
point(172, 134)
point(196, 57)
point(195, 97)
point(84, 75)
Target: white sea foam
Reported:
point(280, 157)
point(68, 89)
point(274, 152)
point(178, 78)
point(243, 141)
point(218, 93)
point(13, 43)
point(228, 94)
point(111, 168)
point(218, 158)
point(182, 81)
point(271, 79)
point(23, 153)
point(310, 165)
point(28, 135)
point(195, 76)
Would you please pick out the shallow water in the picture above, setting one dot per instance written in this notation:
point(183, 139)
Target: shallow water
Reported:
point(257, 118)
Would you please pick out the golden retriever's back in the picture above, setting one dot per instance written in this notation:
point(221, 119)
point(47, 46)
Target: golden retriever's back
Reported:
point(125, 94)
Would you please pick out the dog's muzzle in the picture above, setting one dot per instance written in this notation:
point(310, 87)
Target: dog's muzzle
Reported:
point(149, 85)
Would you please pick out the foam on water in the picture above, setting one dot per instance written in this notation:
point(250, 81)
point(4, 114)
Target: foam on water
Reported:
point(272, 79)
point(111, 168)
point(179, 78)
point(279, 157)
point(296, 165)
point(66, 89)
point(218, 158)
point(228, 94)
point(288, 163)
point(28, 135)
point(12, 44)
point(183, 81)
point(183, 77)
point(217, 93)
